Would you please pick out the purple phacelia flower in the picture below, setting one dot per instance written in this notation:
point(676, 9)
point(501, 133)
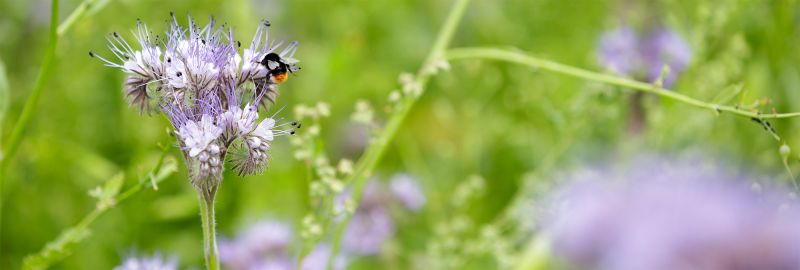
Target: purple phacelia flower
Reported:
point(211, 94)
point(266, 240)
point(663, 215)
point(664, 47)
point(318, 259)
point(624, 52)
point(372, 224)
point(155, 262)
point(266, 245)
point(407, 191)
point(618, 50)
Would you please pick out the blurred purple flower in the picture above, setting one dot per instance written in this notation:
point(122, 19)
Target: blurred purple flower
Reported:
point(644, 56)
point(665, 47)
point(618, 50)
point(265, 243)
point(407, 191)
point(265, 246)
point(672, 216)
point(371, 225)
point(155, 262)
point(318, 259)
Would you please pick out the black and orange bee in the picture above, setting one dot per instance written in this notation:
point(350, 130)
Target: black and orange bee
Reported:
point(278, 68)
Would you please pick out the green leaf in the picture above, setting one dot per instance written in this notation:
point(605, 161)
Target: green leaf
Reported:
point(105, 195)
point(728, 94)
point(169, 167)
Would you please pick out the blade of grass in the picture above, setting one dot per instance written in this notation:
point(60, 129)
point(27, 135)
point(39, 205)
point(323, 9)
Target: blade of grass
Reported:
point(41, 80)
point(27, 111)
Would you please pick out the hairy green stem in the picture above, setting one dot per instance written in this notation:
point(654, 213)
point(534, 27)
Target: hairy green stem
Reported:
point(378, 147)
point(527, 60)
point(209, 232)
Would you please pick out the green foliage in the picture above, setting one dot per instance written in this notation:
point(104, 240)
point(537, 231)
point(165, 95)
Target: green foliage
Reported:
point(516, 125)
point(107, 196)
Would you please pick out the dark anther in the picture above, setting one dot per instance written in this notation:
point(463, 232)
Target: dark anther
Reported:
point(171, 13)
point(203, 41)
point(293, 123)
point(91, 54)
point(292, 132)
point(115, 34)
point(238, 43)
point(169, 60)
point(299, 125)
point(266, 23)
point(178, 74)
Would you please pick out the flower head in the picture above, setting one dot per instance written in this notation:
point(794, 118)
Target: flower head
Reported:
point(672, 216)
point(210, 92)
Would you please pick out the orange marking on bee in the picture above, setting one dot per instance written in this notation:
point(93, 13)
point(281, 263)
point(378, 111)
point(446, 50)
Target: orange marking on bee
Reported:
point(280, 77)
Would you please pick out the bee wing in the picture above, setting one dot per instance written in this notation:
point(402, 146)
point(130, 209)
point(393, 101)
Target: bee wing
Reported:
point(272, 65)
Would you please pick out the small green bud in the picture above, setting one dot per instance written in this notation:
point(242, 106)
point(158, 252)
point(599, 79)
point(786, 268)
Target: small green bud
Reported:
point(785, 150)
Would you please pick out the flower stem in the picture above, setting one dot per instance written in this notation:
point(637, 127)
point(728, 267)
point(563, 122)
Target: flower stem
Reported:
point(527, 60)
point(378, 147)
point(209, 231)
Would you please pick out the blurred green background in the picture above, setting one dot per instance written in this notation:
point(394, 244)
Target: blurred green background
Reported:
point(496, 120)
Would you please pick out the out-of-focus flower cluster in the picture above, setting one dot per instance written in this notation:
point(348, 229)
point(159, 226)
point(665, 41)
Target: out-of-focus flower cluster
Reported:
point(671, 215)
point(155, 262)
point(210, 92)
point(625, 52)
point(266, 245)
point(372, 224)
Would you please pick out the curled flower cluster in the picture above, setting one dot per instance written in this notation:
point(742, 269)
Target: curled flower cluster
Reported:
point(623, 51)
point(667, 215)
point(210, 92)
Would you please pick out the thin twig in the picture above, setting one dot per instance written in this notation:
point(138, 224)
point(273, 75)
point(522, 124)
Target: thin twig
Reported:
point(524, 59)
